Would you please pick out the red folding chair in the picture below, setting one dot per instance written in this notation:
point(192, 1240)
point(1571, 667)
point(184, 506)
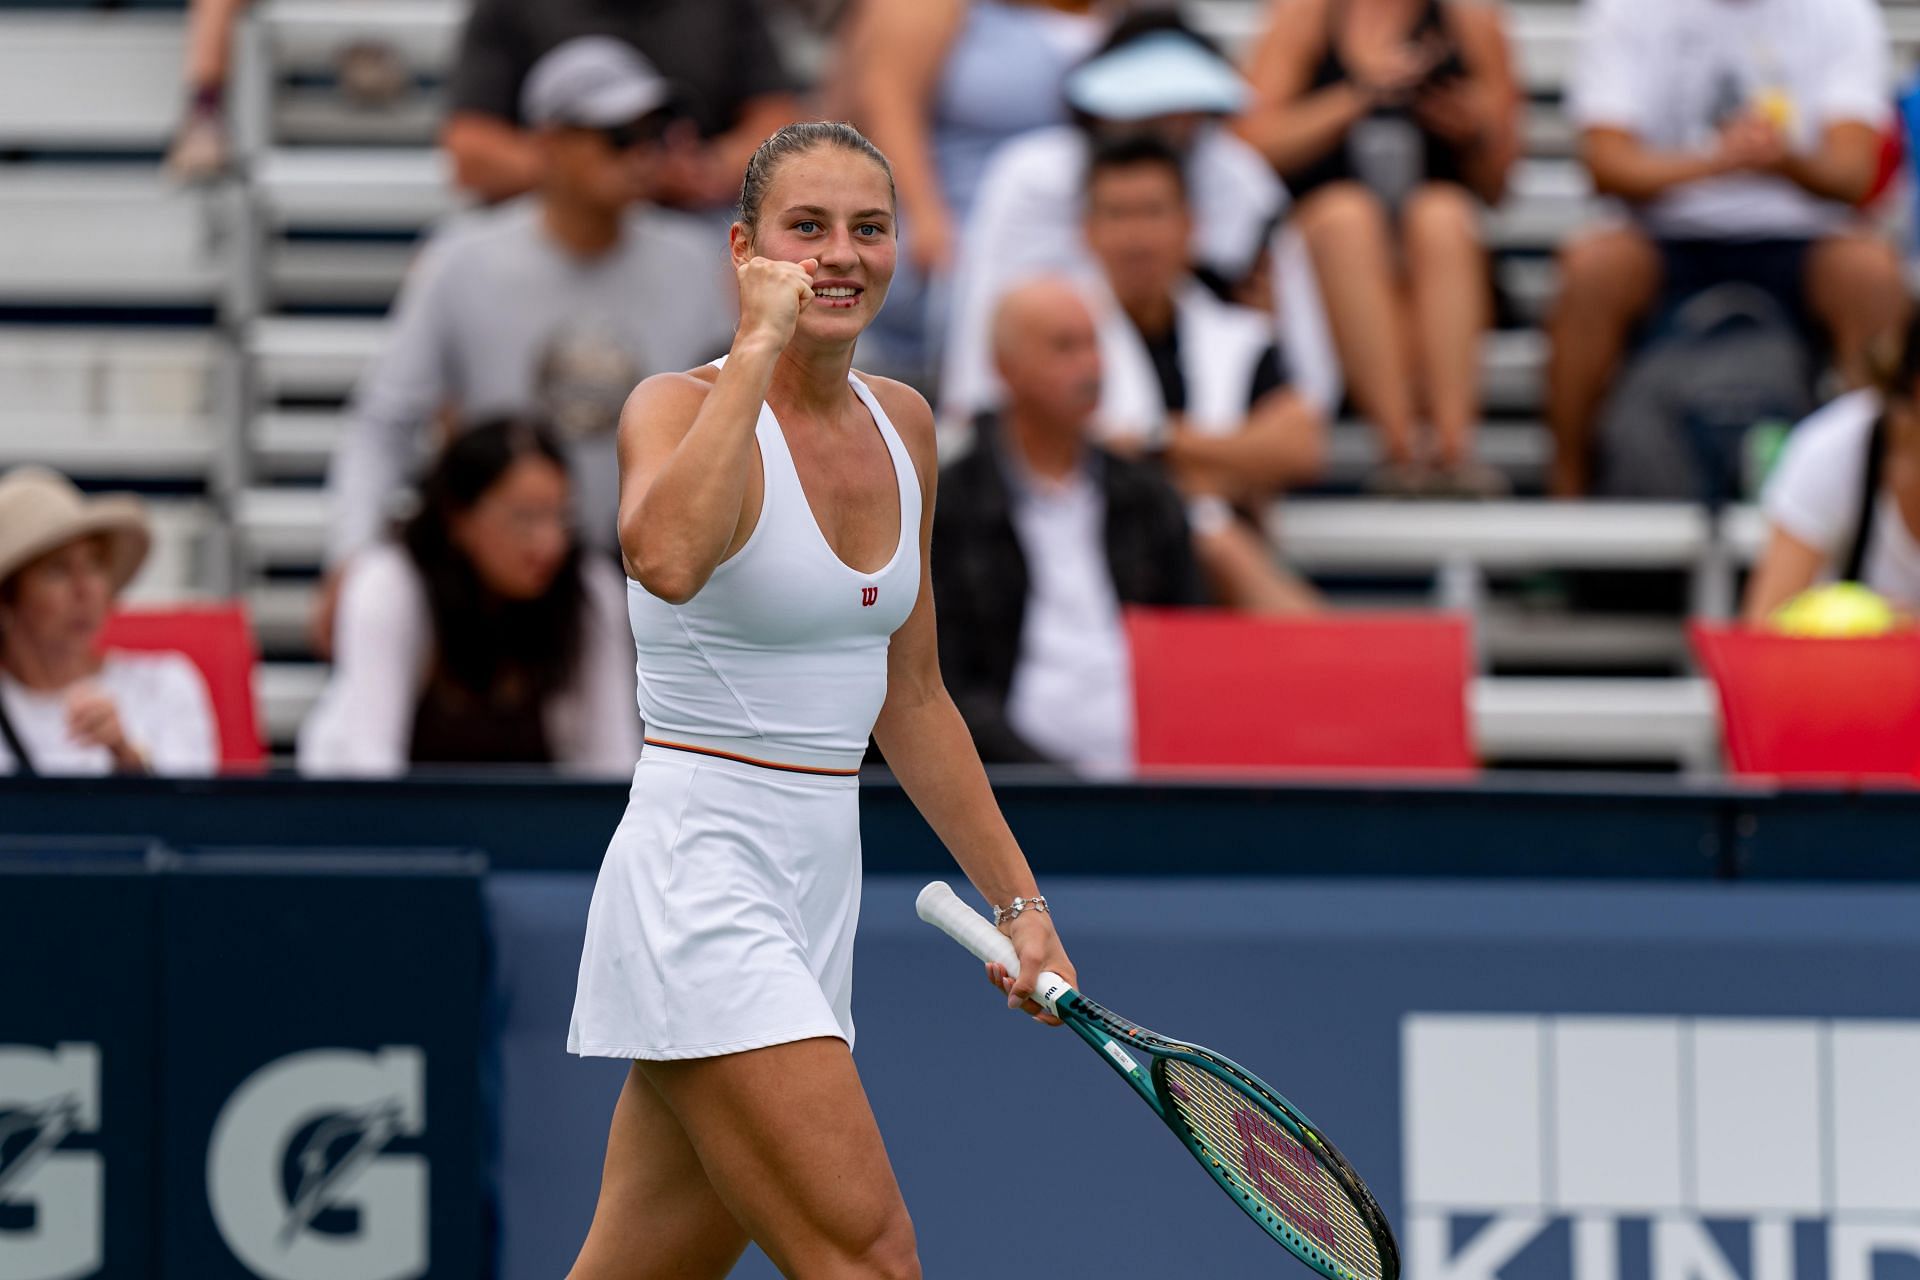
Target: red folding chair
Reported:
point(1364, 692)
point(1816, 709)
point(219, 641)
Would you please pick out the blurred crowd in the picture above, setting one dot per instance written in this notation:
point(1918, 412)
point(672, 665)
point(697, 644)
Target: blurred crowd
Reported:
point(1138, 279)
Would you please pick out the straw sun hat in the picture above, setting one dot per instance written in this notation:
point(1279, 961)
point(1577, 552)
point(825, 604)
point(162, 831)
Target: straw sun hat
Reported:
point(41, 511)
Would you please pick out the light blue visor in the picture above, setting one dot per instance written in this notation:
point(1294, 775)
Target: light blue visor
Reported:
point(1161, 74)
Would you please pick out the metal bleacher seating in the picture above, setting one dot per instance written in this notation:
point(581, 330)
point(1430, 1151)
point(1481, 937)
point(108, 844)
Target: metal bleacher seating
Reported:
point(342, 190)
point(112, 364)
point(338, 193)
point(282, 277)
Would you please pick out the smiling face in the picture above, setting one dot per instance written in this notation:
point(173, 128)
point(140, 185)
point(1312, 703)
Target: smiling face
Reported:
point(835, 206)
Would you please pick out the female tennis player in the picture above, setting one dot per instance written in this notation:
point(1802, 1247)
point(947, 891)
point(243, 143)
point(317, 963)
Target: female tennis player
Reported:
point(775, 509)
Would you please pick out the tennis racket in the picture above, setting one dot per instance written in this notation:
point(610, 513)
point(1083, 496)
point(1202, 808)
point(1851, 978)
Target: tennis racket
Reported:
point(1265, 1155)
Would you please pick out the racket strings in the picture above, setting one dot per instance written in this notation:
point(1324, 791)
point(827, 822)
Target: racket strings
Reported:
point(1273, 1166)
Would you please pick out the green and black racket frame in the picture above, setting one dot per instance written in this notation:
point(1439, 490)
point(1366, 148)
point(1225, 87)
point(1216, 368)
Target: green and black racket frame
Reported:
point(1269, 1159)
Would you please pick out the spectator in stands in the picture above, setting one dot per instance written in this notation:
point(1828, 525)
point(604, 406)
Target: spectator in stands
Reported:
point(557, 305)
point(938, 85)
point(1190, 381)
point(1393, 122)
point(1039, 539)
point(66, 708)
point(1153, 74)
point(1844, 500)
point(485, 635)
point(730, 82)
point(1741, 137)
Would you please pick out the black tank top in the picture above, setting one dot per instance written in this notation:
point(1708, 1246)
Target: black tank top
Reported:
point(453, 725)
point(1438, 160)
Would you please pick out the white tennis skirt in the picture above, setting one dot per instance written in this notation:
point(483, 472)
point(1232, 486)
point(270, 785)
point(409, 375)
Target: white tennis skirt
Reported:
point(724, 914)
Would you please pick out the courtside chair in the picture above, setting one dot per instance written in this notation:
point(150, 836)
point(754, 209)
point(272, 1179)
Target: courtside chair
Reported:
point(1816, 710)
point(219, 641)
point(1363, 693)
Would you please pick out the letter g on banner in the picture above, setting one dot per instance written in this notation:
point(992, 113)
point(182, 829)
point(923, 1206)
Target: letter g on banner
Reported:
point(51, 1223)
point(298, 1175)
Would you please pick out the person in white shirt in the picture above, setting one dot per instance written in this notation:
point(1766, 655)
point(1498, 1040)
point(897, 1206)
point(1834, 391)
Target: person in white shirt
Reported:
point(1192, 382)
point(1041, 540)
point(486, 635)
point(1153, 75)
point(65, 707)
point(1844, 500)
point(1741, 134)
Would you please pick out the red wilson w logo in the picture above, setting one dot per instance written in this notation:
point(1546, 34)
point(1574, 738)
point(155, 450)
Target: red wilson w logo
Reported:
point(868, 595)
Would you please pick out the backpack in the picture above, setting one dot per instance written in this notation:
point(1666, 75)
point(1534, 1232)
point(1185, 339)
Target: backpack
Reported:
point(1675, 425)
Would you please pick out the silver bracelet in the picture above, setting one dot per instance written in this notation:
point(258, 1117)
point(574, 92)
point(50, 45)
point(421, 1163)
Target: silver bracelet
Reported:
point(1003, 915)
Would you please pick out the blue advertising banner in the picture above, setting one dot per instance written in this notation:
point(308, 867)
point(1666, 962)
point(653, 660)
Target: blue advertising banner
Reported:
point(77, 1046)
point(1576, 1082)
point(322, 1117)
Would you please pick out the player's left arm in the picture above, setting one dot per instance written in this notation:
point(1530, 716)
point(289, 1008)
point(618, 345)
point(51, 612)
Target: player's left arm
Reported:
point(927, 744)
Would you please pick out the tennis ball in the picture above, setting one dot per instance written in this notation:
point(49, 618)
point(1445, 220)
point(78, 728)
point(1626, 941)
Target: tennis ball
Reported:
point(1839, 610)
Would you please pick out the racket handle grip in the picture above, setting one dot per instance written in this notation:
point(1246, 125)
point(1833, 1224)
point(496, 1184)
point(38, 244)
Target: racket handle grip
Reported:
point(940, 907)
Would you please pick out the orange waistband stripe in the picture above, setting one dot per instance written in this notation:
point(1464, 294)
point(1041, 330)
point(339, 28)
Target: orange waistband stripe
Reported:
point(764, 764)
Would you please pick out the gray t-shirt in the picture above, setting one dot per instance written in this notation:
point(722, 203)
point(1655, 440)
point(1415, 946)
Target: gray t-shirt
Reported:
point(497, 319)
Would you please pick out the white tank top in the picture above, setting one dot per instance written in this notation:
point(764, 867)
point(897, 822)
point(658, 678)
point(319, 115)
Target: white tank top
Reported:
point(785, 647)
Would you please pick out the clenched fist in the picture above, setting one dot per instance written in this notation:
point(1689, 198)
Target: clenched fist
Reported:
point(772, 295)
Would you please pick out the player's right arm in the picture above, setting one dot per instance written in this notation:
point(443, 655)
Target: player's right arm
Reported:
point(687, 445)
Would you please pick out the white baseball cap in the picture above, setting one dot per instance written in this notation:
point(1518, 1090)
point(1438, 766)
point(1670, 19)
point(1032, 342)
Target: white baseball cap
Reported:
point(595, 81)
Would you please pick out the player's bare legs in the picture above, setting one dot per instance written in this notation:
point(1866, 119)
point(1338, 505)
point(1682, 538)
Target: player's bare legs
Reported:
point(789, 1142)
point(657, 1218)
point(787, 1152)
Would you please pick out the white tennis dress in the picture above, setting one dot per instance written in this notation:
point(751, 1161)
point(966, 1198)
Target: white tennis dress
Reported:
point(724, 914)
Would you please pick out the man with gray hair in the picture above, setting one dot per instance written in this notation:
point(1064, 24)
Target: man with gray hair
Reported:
point(552, 307)
point(1040, 540)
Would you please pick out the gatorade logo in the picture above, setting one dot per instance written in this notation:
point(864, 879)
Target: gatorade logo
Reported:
point(299, 1177)
point(51, 1222)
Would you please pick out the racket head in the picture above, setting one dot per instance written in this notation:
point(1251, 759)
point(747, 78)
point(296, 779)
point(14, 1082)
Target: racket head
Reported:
point(1274, 1164)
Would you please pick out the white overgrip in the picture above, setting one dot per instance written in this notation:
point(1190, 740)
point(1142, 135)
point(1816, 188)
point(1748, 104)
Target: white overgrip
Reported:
point(940, 907)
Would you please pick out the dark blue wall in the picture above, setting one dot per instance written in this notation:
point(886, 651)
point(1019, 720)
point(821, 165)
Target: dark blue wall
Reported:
point(1309, 983)
point(1527, 825)
point(1302, 929)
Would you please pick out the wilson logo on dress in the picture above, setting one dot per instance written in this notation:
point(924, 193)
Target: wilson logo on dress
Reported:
point(868, 595)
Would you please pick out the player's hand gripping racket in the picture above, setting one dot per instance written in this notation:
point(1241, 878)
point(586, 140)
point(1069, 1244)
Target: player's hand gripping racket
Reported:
point(1266, 1155)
